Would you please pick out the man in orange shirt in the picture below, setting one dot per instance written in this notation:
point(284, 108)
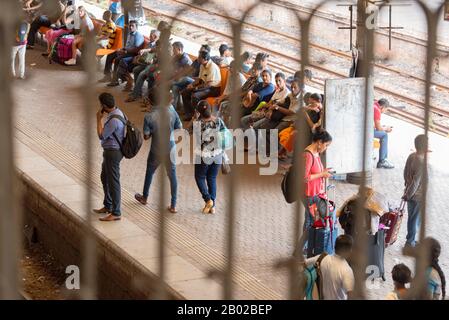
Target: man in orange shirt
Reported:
point(381, 133)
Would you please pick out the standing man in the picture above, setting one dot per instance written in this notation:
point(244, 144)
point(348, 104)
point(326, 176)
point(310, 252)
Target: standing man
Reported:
point(158, 153)
point(111, 136)
point(337, 277)
point(381, 132)
point(134, 41)
point(414, 180)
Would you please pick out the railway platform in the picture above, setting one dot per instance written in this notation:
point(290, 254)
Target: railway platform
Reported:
point(50, 123)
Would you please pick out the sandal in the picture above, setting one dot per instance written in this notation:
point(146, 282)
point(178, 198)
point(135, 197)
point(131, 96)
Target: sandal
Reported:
point(172, 210)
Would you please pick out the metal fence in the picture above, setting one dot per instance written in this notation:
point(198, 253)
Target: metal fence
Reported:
point(10, 209)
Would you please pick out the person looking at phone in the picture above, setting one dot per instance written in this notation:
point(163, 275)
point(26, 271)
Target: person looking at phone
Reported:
point(111, 135)
point(207, 85)
point(315, 176)
point(381, 132)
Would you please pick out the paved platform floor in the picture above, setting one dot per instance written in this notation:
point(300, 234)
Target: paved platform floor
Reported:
point(48, 102)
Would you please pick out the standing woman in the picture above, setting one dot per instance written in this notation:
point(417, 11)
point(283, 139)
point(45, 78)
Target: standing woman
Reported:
point(436, 280)
point(208, 153)
point(315, 176)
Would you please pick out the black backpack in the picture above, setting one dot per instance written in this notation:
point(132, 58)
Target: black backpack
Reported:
point(132, 142)
point(287, 184)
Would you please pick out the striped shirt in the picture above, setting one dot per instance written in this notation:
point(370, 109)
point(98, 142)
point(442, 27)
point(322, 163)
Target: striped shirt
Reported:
point(109, 29)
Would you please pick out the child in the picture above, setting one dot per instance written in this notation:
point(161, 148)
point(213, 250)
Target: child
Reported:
point(19, 49)
point(401, 275)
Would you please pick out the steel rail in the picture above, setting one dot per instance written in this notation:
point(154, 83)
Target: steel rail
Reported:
point(443, 129)
point(313, 45)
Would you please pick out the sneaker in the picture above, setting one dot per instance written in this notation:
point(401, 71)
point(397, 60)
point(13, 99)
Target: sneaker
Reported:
point(385, 164)
point(70, 62)
point(113, 84)
point(131, 99)
point(110, 217)
point(140, 198)
point(208, 206)
point(102, 210)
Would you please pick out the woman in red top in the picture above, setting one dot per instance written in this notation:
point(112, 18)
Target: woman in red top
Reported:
point(314, 177)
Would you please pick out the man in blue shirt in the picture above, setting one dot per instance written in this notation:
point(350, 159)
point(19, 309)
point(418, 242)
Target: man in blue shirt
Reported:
point(111, 136)
point(159, 152)
point(131, 49)
point(189, 77)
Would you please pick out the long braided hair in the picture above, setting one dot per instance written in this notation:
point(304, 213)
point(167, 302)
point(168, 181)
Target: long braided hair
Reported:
point(435, 250)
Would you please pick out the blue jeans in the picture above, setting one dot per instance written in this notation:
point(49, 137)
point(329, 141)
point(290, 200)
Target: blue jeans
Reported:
point(308, 222)
point(179, 85)
point(152, 164)
point(123, 67)
point(138, 69)
point(413, 221)
point(383, 150)
point(139, 81)
point(110, 179)
point(206, 180)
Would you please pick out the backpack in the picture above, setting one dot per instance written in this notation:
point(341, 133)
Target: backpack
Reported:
point(287, 184)
point(132, 142)
point(61, 50)
point(312, 280)
point(347, 218)
point(22, 33)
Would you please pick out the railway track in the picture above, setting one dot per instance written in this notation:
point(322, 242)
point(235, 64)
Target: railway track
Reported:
point(412, 117)
point(314, 45)
point(409, 116)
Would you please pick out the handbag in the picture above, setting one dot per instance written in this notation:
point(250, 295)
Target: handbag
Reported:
point(225, 137)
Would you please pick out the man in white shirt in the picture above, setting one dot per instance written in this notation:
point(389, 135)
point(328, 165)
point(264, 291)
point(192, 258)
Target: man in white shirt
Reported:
point(208, 85)
point(223, 102)
point(337, 277)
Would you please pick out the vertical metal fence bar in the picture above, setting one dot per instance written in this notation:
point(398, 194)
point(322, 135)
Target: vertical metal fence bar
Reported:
point(10, 213)
point(233, 185)
point(89, 289)
point(418, 288)
point(360, 241)
point(164, 101)
point(296, 291)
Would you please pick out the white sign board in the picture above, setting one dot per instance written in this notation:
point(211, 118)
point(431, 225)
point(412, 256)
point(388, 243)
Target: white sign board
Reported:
point(344, 120)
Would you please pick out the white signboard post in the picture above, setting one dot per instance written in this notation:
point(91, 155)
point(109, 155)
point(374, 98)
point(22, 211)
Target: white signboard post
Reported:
point(344, 120)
